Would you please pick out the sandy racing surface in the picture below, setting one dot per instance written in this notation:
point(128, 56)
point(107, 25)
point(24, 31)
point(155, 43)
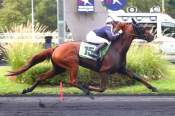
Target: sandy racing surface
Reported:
point(83, 106)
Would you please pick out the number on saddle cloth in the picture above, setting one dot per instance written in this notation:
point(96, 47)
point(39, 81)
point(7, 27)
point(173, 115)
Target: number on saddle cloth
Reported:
point(87, 51)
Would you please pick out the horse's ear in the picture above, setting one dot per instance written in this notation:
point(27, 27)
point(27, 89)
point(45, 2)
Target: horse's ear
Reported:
point(133, 21)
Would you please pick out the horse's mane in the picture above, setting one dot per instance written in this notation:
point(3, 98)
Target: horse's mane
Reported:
point(122, 34)
point(118, 38)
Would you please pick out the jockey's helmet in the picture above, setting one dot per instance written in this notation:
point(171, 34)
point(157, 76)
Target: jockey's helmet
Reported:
point(113, 19)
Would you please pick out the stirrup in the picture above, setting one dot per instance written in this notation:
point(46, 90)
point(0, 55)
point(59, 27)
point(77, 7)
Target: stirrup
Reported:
point(99, 47)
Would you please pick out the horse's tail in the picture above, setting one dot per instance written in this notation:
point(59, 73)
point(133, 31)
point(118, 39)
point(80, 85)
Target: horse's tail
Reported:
point(33, 61)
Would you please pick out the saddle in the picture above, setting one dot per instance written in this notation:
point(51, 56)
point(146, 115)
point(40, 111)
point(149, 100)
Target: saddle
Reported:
point(87, 50)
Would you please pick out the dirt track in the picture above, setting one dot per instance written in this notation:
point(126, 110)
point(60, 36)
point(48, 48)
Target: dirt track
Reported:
point(83, 106)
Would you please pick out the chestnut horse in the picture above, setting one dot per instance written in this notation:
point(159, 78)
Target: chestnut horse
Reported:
point(65, 57)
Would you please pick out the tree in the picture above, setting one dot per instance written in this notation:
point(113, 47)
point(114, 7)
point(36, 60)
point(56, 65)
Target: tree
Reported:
point(46, 13)
point(14, 12)
point(145, 5)
point(19, 12)
point(171, 7)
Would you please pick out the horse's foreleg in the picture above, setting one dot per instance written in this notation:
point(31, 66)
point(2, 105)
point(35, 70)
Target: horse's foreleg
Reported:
point(40, 78)
point(134, 76)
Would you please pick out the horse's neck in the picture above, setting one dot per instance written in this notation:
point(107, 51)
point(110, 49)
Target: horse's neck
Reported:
point(123, 43)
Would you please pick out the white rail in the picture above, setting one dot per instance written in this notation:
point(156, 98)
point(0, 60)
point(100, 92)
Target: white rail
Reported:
point(16, 37)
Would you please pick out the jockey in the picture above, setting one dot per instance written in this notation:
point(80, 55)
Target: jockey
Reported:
point(104, 35)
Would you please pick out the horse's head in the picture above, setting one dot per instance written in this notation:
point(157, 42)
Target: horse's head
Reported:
point(141, 32)
point(136, 30)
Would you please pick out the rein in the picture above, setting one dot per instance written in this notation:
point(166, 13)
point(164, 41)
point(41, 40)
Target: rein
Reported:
point(133, 34)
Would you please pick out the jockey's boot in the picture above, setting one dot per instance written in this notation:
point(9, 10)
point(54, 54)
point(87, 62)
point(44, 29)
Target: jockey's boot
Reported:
point(99, 47)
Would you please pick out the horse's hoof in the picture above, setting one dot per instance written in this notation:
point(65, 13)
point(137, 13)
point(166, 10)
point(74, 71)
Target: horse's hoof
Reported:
point(24, 91)
point(91, 95)
point(88, 93)
point(154, 89)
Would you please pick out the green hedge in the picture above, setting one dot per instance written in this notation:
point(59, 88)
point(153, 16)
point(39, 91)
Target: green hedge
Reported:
point(145, 61)
point(141, 59)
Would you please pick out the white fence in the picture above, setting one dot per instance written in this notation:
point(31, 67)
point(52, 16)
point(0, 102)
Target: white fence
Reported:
point(6, 38)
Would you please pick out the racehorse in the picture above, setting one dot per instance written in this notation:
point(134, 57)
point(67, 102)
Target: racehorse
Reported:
point(65, 57)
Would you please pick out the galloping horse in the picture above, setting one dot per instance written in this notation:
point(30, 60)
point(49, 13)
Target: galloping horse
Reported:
point(65, 57)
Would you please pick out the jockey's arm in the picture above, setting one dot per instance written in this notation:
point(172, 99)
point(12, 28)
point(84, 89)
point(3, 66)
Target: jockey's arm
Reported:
point(111, 36)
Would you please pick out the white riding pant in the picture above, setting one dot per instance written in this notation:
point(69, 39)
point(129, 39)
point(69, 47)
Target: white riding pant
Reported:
point(93, 38)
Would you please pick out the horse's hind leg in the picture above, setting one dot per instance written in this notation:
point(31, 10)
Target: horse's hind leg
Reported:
point(73, 80)
point(67, 58)
point(40, 78)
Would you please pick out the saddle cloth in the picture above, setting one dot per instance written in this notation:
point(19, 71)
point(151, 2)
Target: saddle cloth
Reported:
point(87, 51)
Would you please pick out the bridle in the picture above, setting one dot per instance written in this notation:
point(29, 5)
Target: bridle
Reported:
point(138, 31)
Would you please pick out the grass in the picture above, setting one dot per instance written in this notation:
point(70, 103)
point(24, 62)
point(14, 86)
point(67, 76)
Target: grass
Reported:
point(165, 86)
point(10, 87)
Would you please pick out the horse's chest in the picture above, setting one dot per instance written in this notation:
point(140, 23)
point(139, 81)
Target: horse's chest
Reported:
point(112, 63)
point(115, 67)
